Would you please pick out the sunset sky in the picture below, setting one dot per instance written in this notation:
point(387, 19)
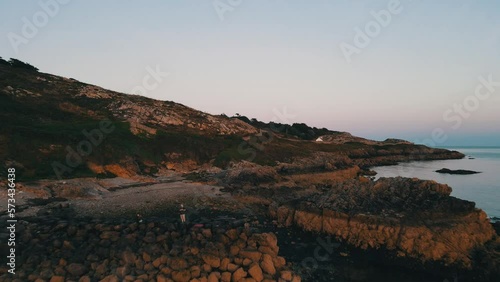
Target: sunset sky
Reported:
point(262, 58)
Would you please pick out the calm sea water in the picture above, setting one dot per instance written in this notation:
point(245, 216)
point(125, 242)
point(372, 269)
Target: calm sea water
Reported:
point(482, 188)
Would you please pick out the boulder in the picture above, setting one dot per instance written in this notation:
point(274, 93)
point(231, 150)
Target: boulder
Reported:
point(231, 267)
point(122, 271)
point(161, 278)
point(84, 279)
point(286, 275)
point(195, 271)
point(57, 279)
point(256, 272)
point(214, 277)
point(211, 260)
point(76, 269)
point(224, 263)
point(181, 276)
point(178, 263)
point(110, 278)
point(253, 255)
point(225, 277)
point(128, 257)
point(267, 264)
point(238, 274)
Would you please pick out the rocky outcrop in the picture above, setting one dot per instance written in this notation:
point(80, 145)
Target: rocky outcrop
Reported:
point(249, 173)
point(457, 171)
point(391, 155)
point(412, 218)
point(147, 114)
point(127, 167)
point(345, 137)
point(332, 166)
point(342, 138)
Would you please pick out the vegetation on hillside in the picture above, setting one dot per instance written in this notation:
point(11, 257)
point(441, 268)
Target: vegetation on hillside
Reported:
point(15, 63)
point(296, 130)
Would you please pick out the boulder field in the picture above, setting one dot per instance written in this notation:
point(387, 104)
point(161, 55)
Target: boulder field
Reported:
point(96, 250)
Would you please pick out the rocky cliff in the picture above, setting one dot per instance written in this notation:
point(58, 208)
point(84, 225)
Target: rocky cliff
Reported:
point(413, 218)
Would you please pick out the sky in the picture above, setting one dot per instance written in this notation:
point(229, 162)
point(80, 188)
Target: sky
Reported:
point(425, 71)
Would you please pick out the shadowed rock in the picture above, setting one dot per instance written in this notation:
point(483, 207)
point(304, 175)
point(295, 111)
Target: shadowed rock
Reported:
point(457, 171)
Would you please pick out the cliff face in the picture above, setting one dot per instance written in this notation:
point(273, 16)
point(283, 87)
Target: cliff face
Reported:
point(413, 218)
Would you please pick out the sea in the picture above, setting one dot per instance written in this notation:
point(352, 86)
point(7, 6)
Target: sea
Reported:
point(482, 188)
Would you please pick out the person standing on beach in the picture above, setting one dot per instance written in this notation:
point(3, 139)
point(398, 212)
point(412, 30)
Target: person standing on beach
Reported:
point(182, 212)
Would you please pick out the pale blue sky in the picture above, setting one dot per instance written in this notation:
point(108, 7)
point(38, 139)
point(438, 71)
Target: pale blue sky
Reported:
point(268, 55)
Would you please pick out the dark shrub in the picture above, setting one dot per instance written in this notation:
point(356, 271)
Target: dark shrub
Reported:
point(3, 62)
point(15, 63)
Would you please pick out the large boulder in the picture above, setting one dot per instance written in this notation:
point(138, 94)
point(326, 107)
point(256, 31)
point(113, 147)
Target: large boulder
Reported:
point(256, 272)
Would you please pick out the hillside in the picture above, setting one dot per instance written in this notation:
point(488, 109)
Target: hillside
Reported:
point(48, 119)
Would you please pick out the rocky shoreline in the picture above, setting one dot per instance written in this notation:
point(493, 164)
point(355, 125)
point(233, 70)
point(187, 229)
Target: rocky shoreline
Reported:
point(411, 222)
point(60, 247)
point(344, 226)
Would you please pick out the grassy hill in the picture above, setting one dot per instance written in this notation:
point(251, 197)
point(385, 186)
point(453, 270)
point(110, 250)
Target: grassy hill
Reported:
point(47, 120)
